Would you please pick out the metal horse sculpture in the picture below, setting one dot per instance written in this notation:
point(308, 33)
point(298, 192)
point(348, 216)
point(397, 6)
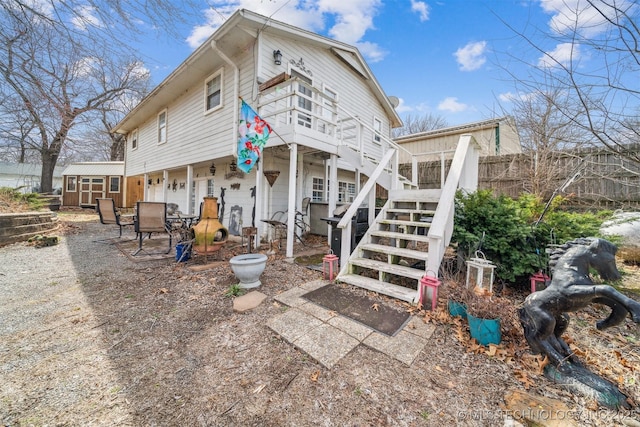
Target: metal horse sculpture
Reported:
point(544, 317)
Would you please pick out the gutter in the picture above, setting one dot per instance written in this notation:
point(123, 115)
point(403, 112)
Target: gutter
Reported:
point(236, 92)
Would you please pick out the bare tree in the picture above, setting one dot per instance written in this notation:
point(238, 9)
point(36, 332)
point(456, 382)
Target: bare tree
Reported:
point(62, 61)
point(417, 124)
point(546, 135)
point(595, 65)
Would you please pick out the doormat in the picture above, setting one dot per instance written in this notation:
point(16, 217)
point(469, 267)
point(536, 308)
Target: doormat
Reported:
point(152, 249)
point(386, 320)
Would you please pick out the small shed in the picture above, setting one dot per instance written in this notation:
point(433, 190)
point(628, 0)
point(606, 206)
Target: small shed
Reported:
point(84, 182)
point(25, 177)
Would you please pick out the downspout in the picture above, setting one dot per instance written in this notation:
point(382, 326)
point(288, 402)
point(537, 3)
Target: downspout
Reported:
point(236, 93)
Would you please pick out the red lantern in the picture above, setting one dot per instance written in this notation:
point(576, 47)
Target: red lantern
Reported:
point(538, 279)
point(330, 266)
point(429, 285)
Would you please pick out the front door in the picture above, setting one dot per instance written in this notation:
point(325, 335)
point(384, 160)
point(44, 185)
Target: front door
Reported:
point(91, 188)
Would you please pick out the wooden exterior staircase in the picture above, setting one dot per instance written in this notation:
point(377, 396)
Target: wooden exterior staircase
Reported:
point(409, 236)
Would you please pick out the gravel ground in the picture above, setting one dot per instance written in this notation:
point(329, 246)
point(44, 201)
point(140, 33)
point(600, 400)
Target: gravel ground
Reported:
point(88, 337)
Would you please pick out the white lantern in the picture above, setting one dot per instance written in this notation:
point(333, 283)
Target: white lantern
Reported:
point(480, 272)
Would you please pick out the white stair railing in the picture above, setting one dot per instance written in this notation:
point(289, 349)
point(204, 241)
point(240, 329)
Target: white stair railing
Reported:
point(463, 174)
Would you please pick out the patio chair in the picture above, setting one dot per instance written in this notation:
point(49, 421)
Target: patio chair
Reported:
point(279, 221)
point(109, 215)
point(151, 218)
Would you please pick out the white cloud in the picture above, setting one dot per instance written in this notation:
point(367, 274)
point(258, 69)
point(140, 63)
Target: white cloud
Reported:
point(520, 96)
point(580, 15)
point(421, 8)
point(85, 17)
point(402, 107)
point(471, 57)
point(352, 19)
point(563, 54)
point(452, 105)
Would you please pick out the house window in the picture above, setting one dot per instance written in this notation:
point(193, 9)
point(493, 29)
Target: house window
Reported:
point(317, 194)
point(377, 130)
point(210, 188)
point(114, 184)
point(328, 109)
point(72, 184)
point(346, 191)
point(305, 98)
point(162, 127)
point(134, 139)
point(213, 92)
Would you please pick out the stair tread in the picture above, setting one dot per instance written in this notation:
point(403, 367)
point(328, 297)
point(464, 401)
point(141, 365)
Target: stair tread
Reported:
point(398, 270)
point(427, 212)
point(403, 222)
point(391, 250)
point(401, 236)
point(395, 291)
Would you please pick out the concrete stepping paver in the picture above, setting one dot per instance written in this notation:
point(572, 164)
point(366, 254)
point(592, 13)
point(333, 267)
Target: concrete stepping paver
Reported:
point(328, 337)
point(292, 297)
point(293, 323)
point(351, 327)
point(248, 301)
point(404, 346)
point(326, 344)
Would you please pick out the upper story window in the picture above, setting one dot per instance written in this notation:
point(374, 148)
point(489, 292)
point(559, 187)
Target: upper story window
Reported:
point(377, 130)
point(304, 98)
point(213, 92)
point(134, 139)
point(330, 96)
point(162, 127)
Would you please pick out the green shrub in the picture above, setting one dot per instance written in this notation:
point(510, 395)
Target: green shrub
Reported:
point(507, 232)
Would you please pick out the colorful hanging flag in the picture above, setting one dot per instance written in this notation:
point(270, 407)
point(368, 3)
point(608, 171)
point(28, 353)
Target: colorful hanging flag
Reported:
point(253, 135)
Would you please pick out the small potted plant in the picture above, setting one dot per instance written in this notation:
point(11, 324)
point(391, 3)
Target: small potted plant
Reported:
point(456, 301)
point(483, 315)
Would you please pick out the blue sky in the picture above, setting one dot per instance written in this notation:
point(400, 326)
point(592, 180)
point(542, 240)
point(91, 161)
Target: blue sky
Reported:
point(443, 57)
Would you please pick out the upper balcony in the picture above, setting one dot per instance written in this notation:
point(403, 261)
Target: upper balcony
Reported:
point(303, 114)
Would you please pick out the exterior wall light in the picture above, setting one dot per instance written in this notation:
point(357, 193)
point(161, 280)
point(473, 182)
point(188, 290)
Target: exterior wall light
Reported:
point(277, 57)
point(212, 169)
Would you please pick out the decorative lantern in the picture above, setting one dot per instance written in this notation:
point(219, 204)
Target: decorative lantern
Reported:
point(428, 290)
point(330, 266)
point(212, 169)
point(538, 279)
point(480, 272)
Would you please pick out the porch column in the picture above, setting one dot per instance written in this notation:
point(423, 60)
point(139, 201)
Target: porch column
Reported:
point(145, 195)
point(189, 185)
point(165, 180)
point(259, 195)
point(291, 205)
point(333, 190)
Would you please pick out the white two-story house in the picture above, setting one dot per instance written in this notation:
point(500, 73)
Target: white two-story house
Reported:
point(331, 121)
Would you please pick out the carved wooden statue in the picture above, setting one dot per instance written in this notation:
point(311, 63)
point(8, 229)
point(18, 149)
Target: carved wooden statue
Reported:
point(544, 317)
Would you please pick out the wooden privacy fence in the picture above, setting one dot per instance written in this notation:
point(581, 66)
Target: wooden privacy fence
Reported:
point(601, 178)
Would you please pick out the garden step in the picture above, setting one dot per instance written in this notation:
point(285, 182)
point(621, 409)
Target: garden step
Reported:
point(392, 250)
point(405, 223)
point(389, 289)
point(400, 236)
point(398, 270)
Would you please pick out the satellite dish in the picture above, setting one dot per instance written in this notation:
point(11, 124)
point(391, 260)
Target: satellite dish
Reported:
point(394, 101)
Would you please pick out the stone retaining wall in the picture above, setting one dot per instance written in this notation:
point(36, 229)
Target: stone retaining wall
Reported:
point(19, 227)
